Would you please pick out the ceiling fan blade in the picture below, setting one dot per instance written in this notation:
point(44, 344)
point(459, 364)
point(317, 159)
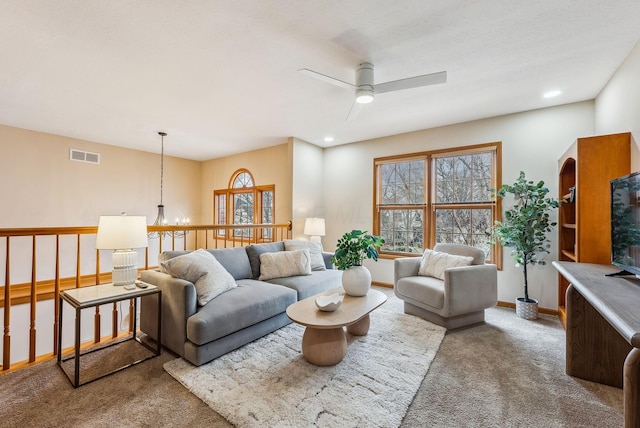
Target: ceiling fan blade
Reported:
point(411, 82)
point(326, 78)
point(355, 111)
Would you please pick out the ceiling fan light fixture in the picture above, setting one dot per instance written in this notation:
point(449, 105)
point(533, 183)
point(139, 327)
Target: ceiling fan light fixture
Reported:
point(551, 94)
point(364, 96)
point(365, 88)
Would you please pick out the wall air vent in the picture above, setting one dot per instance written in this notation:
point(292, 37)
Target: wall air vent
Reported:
point(82, 156)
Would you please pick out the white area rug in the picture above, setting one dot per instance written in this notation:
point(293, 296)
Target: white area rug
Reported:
point(269, 383)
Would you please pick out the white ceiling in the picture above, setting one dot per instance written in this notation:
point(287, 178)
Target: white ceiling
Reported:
point(220, 77)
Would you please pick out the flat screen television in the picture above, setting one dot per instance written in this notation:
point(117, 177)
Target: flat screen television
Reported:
point(625, 223)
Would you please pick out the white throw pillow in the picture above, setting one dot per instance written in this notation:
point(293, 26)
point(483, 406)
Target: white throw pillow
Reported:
point(204, 271)
point(282, 264)
point(434, 263)
point(315, 252)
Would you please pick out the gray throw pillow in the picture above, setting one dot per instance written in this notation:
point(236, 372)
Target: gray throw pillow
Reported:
point(315, 251)
point(254, 251)
point(204, 271)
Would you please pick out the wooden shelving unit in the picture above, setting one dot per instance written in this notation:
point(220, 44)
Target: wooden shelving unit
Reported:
point(585, 171)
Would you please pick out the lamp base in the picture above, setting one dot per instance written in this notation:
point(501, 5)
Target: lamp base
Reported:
point(125, 267)
point(316, 239)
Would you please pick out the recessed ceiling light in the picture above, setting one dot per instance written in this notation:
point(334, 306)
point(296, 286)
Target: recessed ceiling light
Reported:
point(328, 139)
point(551, 94)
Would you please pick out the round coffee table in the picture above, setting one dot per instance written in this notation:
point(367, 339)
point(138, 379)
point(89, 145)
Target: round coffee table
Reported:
point(324, 342)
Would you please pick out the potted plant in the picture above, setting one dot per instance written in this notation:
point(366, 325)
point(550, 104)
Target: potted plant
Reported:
point(524, 228)
point(354, 247)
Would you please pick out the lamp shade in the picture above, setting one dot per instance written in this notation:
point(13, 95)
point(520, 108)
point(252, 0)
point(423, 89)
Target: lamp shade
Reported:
point(118, 232)
point(314, 226)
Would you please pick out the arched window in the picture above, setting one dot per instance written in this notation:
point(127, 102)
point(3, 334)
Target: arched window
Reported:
point(244, 203)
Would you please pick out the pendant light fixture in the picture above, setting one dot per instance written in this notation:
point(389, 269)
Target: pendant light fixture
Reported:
point(160, 219)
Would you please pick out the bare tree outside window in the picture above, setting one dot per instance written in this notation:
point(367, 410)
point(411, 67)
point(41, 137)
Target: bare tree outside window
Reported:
point(221, 200)
point(464, 184)
point(452, 204)
point(267, 214)
point(245, 203)
point(243, 212)
point(401, 224)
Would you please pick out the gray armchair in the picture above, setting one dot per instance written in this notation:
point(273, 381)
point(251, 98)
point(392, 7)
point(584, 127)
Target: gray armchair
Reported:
point(459, 300)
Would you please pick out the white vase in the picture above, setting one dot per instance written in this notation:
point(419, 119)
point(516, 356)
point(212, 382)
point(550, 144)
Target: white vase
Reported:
point(527, 310)
point(356, 281)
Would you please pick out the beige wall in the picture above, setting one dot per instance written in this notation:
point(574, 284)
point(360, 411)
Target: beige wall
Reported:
point(272, 165)
point(308, 181)
point(531, 141)
point(41, 187)
point(618, 104)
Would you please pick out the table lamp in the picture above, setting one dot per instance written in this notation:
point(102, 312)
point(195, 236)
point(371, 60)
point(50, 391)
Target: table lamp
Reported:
point(314, 227)
point(122, 233)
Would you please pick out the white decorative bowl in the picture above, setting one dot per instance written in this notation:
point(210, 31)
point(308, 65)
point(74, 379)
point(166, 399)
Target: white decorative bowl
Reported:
point(329, 303)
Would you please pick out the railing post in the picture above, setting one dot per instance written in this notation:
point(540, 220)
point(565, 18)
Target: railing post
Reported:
point(97, 266)
point(6, 343)
point(132, 314)
point(78, 263)
point(33, 300)
point(56, 297)
point(96, 325)
point(114, 320)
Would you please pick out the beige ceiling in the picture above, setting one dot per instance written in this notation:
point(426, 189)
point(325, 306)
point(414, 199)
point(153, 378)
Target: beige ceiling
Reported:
point(220, 77)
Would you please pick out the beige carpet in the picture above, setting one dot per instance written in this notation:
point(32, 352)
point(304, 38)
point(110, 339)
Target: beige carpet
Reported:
point(505, 373)
point(510, 372)
point(269, 384)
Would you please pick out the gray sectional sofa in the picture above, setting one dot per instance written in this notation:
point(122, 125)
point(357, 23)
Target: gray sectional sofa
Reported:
point(236, 317)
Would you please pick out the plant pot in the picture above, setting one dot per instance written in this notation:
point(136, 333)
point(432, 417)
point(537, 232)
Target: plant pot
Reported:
point(356, 281)
point(527, 309)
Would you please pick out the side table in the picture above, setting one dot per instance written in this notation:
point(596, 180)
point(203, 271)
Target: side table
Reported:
point(88, 297)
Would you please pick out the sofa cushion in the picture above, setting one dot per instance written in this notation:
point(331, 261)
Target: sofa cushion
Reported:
point(249, 303)
point(284, 263)
point(235, 261)
point(310, 285)
point(204, 271)
point(434, 263)
point(254, 251)
point(423, 289)
point(315, 251)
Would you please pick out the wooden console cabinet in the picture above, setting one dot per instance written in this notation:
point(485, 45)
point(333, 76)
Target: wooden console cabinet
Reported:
point(603, 330)
point(585, 171)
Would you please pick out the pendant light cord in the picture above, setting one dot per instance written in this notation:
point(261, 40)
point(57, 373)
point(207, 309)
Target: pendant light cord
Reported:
point(162, 135)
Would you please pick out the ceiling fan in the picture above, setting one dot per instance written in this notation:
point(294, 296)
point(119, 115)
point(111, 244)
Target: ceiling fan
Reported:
point(365, 89)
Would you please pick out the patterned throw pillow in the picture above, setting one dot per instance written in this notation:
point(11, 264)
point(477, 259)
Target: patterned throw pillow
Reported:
point(434, 263)
point(282, 264)
point(315, 251)
point(204, 271)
